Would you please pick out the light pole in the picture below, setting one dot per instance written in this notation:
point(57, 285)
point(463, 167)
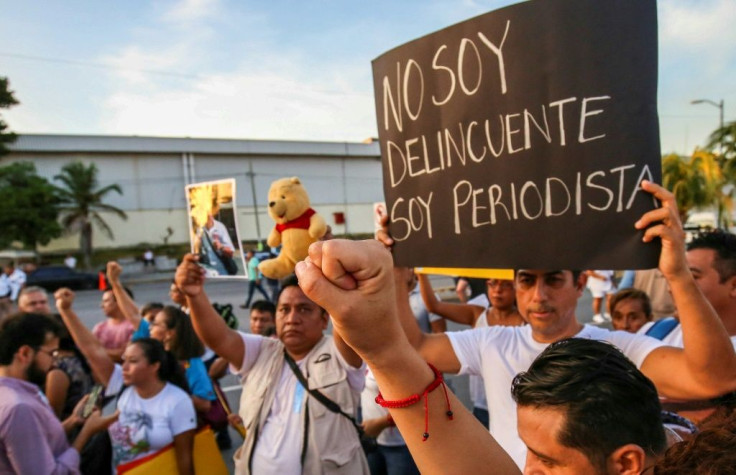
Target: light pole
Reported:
point(720, 106)
point(720, 146)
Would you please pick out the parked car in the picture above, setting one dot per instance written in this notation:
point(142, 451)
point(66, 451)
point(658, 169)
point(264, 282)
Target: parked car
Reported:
point(55, 277)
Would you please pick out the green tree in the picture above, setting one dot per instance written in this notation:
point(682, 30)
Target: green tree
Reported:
point(699, 181)
point(7, 100)
point(82, 203)
point(30, 207)
point(724, 137)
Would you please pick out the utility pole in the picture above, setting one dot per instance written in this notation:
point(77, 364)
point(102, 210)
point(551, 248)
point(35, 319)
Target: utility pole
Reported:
point(252, 175)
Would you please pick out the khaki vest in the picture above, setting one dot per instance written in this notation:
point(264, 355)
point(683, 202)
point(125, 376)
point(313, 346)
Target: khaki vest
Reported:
point(332, 443)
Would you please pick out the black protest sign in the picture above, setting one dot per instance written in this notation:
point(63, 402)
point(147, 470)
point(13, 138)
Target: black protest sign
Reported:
point(518, 138)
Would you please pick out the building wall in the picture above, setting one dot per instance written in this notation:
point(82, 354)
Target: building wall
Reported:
point(153, 188)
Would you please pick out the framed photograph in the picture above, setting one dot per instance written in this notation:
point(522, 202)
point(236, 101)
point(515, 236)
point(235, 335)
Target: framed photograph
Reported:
point(213, 228)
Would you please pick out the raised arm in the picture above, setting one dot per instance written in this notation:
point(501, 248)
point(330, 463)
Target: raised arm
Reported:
point(459, 313)
point(706, 366)
point(353, 281)
point(208, 325)
point(101, 364)
point(434, 348)
point(125, 302)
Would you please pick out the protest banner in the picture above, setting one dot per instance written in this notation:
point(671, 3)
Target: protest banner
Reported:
point(519, 138)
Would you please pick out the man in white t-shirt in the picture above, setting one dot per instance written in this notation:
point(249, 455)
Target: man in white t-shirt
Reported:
point(548, 300)
point(15, 278)
point(287, 429)
point(711, 258)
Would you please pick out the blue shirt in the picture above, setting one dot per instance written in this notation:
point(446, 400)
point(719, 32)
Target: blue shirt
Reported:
point(143, 331)
point(199, 381)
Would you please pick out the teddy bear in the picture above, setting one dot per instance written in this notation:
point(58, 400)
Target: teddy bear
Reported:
point(297, 226)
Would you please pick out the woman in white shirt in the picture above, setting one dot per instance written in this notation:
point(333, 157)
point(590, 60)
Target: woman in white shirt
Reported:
point(150, 386)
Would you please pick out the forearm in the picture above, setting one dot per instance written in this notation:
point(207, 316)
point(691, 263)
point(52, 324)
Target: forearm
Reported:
point(201, 405)
point(183, 447)
point(127, 305)
point(463, 440)
point(89, 345)
point(69, 424)
point(82, 438)
point(708, 350)
point(406, 316)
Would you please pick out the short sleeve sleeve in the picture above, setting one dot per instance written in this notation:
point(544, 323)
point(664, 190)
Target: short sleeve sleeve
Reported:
point(466, 344)
point(182, 417)
point(115, 384)
point(199, 381)
point(252, 345)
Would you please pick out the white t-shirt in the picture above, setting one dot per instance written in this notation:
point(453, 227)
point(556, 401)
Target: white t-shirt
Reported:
point(147, 425)
point(279, 445)
point(475, 383)
point(673, 338)
point(499, 353)
point(600, 287)
point(390, 436)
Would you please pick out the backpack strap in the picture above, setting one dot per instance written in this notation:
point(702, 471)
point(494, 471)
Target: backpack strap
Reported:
point(661, 328)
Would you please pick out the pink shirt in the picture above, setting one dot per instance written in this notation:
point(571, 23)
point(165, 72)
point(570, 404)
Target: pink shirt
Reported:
point(32, 439)
point(112, 335)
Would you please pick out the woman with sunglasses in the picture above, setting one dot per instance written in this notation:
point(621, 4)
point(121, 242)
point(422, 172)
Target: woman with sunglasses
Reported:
point(155, 409)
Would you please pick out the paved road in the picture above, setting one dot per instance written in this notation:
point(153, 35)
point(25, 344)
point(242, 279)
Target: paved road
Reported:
point(87, 305)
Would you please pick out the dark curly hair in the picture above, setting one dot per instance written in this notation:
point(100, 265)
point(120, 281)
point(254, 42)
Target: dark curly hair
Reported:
point(711, 452)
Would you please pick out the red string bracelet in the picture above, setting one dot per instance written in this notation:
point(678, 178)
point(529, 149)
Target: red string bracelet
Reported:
point(414, 398)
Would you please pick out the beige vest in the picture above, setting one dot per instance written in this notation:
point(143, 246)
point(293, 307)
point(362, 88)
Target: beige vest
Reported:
point(332, 444)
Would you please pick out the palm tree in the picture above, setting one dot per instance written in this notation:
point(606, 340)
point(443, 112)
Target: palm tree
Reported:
point(81, 204)
point(723, 139)
point(698, 181)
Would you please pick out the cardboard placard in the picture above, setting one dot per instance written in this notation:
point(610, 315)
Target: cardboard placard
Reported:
point(518, 139)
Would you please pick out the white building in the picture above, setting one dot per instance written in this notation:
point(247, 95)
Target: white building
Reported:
point(343, 180)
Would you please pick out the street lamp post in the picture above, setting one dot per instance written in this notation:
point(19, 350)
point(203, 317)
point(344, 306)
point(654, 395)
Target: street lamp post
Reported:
point(720, 106)
point(720, 146)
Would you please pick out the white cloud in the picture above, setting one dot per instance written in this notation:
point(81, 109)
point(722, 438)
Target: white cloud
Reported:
point(245, 105)
point(189, 11)
point(702, 28)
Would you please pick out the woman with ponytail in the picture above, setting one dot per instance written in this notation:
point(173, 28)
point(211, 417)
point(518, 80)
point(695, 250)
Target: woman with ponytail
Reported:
point(154, 407)
point(173, 328)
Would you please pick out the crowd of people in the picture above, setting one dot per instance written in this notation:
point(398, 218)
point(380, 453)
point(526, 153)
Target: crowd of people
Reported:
point(549, 394)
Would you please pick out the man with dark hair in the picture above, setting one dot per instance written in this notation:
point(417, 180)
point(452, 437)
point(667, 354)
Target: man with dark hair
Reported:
point(581, 392)
point(288, 430)
point(630, 310)
point(711, 257)
point(262, 318)
point(116, 331)
point(254, 277)
point(32, 440)
point(548, 299)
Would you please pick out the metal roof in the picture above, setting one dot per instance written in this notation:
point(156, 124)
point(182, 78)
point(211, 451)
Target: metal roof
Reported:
point(137, 144)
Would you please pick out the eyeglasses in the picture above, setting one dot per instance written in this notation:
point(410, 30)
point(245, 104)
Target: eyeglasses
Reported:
point(52, 353)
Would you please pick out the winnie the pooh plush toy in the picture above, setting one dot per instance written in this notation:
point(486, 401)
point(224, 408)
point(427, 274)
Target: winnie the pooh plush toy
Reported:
point(297, 226)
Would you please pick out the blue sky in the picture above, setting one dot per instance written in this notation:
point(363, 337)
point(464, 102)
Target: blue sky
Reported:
point(286, 69)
